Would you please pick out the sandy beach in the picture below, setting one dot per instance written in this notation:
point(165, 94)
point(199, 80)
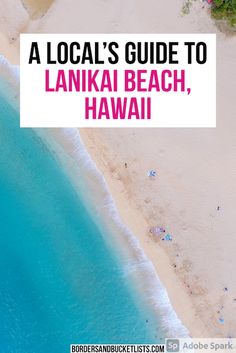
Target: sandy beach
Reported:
point(194, 192)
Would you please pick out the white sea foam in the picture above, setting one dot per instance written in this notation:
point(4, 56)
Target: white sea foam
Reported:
point(92, 185)
point(11, 76)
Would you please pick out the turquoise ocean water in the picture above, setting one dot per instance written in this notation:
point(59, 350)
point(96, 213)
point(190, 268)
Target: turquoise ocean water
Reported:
point(59, 281)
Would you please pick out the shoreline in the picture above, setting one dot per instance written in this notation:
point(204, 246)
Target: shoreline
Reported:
point(78, 164)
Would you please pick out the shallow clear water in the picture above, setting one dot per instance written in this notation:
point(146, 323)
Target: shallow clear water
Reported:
point(59, 282)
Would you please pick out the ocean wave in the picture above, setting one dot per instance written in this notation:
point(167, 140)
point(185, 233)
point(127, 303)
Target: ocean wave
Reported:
point(9, 71)
point(85, 173)
point(10, 82)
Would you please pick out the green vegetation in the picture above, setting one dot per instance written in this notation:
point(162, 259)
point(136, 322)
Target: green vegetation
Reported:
point(225, 10)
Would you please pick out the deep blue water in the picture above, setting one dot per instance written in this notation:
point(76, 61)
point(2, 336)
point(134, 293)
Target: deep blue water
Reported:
point(59, 282)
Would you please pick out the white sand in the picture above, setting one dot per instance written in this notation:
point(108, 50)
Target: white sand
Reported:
point(196, 168)
point(13, 20)
point(37, 9)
